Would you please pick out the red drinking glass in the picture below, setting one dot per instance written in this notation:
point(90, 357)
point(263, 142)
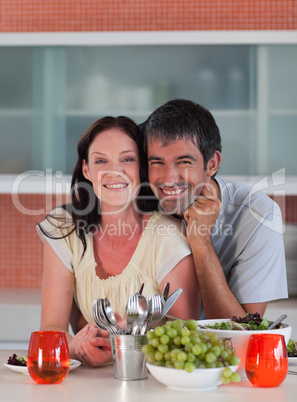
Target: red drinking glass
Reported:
point(266, 360)
point(48, 357)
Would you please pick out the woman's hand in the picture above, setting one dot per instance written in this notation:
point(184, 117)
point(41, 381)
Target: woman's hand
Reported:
point(91, 346)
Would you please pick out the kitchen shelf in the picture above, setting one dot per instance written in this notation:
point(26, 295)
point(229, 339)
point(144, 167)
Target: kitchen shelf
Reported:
point(60, 90)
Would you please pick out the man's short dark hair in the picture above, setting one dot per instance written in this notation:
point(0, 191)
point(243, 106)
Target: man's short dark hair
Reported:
point(183, 119)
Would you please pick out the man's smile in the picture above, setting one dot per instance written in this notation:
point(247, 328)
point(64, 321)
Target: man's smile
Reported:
point(172, 192)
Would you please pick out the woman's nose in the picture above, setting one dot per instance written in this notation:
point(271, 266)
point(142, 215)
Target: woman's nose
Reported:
point(115, 169)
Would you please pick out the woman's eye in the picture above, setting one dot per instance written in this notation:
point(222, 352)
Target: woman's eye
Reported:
point(129, 159)
point(99, 161)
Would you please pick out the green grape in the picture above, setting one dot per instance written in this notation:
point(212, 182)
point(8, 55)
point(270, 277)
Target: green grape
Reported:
point(178, 364)
point(158, 356)
point(235, 377)
point(208, 345)
point(216, 350)
point(147, 348)
point(191, 357)
point(188, 347)
point(159, 331)
point(182, 356)
point(224, 354)
point(201, 356)
point(185, 332)
point(159, 363)
point(150, 357)
point(203, 348)
point(196, 349)
point(210, 357)
point(172, 332)
point(163, 348)
point(214, 337)
point(177, 324)
point(225, 380)
point(233, 360)
point(177, 340)
point(164, 339)
point(174, 354)
point(227, 372)
point(189, 367)
point(195, 339)
point(150, 334)
point(155, 342)
point(191, 324)
point(181, 345)
point(167, 356)
point(185, 340)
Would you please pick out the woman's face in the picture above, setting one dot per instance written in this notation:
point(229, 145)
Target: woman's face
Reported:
point(113, 169)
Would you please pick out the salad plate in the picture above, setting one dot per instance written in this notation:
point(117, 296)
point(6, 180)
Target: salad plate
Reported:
point(24, 370)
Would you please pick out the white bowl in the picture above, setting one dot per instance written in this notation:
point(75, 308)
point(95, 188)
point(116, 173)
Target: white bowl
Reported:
point(199, 379)
point(240, 338)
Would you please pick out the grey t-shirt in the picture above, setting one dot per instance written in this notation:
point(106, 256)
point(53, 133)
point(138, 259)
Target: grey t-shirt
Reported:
point(248, 239)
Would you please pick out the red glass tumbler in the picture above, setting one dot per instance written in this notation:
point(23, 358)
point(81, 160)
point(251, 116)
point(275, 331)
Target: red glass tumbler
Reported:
point(48, 357)
point(266, 360)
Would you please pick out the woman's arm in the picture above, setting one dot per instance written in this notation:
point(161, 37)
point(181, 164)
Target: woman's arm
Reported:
point(183, 276)
point(57, 293)
point(90, 345)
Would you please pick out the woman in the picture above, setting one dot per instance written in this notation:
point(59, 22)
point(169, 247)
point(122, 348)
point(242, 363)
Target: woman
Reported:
point(104, 243)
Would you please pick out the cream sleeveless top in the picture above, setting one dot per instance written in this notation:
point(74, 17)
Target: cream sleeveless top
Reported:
point(161, 247)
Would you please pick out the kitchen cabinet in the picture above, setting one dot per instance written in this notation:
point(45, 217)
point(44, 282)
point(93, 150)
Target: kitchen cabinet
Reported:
point(49, 95)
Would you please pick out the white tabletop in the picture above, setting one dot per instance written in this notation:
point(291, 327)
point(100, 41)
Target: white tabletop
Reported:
point(85, 384)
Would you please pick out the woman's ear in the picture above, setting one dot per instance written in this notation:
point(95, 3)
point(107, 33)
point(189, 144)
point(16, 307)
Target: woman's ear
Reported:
point(213, 164)
point(85, 169)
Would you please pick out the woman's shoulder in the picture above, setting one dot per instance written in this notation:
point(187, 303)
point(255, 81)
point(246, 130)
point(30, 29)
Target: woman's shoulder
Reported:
point(59, 221)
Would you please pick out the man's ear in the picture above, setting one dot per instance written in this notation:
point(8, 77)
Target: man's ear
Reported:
point(213, 164)
point(85, 169)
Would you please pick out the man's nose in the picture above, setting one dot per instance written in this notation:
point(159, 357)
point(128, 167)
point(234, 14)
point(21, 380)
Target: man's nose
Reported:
point(170, 176)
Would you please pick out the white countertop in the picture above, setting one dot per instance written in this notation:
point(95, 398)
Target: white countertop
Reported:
point(99, 385)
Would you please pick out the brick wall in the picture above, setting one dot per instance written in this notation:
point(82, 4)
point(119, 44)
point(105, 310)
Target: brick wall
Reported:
point(146, 15)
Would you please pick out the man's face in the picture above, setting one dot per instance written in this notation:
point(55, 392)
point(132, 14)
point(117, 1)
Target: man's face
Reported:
point(176, 174)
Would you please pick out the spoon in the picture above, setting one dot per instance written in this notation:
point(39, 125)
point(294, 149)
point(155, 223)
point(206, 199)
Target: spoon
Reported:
point(108, 310)
point(142, 309)
point(278, 321)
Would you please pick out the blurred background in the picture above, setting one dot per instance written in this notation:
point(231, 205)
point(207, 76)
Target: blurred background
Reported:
point(66, 63)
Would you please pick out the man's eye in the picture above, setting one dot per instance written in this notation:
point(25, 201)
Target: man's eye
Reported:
point(185, 162)
point(155, 163)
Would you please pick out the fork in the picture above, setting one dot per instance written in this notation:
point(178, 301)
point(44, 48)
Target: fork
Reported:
point(156, 310)
point(131, 313)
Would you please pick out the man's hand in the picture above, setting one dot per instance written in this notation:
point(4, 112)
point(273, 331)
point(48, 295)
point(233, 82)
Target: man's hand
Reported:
point(202, 215)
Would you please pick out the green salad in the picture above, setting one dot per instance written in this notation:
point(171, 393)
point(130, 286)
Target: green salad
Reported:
point(247, 323)
point(292, 348)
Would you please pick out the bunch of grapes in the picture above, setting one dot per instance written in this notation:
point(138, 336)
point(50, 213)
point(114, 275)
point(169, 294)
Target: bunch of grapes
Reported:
point(179, 344)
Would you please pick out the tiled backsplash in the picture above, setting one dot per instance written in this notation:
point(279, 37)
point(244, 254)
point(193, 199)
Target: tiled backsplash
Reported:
point(20, 246)
point(146, 15)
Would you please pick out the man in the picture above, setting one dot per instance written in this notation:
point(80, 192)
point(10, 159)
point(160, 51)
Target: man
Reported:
point(235, 234)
